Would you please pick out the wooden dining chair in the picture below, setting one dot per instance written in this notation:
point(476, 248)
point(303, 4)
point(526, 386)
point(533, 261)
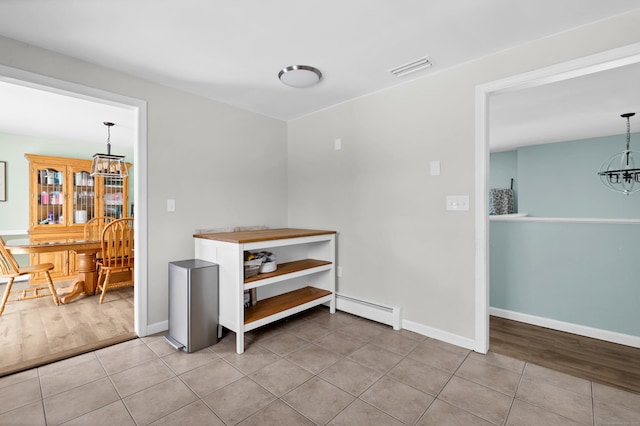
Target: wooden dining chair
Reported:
point(116, 265)
point(9, 269)
point(93, 231)
point(94, 227)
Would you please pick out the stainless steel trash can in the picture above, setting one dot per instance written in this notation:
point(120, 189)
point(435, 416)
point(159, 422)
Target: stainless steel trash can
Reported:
point(193, 304)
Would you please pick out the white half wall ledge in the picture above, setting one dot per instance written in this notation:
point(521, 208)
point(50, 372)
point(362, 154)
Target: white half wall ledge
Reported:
point(581, 330)
point(441, 335)
point(512, 218)
point(14, 232)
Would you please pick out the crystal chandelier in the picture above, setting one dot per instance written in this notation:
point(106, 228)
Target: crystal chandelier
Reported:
point(109, 165)
point(619, 173)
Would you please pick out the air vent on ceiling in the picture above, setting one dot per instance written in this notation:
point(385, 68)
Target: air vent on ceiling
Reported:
point(417, 65)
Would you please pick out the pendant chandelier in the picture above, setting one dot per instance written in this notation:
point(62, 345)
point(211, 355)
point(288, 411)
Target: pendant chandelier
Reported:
point(109, 165)
point(620, 173)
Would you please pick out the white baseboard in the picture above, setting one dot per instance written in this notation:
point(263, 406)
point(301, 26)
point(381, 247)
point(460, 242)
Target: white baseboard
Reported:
point(581, 330)
point(384, 314)
point(437, 334)
point(157, 327)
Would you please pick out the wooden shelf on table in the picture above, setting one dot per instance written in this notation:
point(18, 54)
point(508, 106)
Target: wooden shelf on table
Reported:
point(282, 302)
point(289, 268)
point(244, 237)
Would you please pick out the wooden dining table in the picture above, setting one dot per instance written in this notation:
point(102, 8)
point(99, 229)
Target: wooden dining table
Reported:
point(86, 251)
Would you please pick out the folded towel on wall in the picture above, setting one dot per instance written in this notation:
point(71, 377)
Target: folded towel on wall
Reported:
point(500, 201)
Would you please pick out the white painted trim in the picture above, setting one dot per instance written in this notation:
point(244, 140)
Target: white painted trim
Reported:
point(565, 220)
point(576, 68)
point(141, 289)
point(437, 334)
point(385, 314)
point(581, 330)
point(157, 327)
point(603, 61)
point(66, 88)
point(482, 223)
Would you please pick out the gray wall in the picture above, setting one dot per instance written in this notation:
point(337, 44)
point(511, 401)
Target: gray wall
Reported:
point(396, 243)
point(222, 154)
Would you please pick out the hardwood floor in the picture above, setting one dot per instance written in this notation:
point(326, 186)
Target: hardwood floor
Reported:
point(596, 360)
point(36, 332)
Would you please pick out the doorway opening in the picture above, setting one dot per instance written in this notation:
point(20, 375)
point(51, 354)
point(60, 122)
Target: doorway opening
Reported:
point(132, 106)
point(577, 68)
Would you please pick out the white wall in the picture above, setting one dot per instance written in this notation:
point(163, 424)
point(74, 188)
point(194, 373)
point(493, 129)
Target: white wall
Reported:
point(222, 156)
point(397, 244)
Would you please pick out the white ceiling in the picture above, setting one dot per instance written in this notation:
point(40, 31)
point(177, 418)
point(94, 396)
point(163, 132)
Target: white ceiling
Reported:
point(579, 108)
point(232, 51)
point(50, 115)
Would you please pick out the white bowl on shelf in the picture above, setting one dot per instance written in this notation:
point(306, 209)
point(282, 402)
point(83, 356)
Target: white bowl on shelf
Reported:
point(268, 267)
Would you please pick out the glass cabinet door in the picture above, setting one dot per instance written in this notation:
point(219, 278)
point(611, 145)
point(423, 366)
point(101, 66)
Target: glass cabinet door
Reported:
point(50, 192)
point(83, 196)
point(114, 198)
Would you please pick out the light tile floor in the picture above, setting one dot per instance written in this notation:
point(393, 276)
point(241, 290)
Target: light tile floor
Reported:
point(315, 368)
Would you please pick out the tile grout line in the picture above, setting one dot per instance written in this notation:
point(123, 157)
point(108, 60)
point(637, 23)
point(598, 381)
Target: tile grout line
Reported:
point(513, 399)
point(317, 376)
point(593, 404)
point(564, 390)
point(259, 343)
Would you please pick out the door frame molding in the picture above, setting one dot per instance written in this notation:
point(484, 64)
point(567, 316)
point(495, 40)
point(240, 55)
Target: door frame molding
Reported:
point(139, 107)
point(610, 59)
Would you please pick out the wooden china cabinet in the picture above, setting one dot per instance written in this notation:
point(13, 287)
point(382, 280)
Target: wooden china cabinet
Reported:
point(63, 197)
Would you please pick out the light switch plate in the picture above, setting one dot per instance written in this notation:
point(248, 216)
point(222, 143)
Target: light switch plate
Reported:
point(435, 168)
point(458, 202)
point(171, 205)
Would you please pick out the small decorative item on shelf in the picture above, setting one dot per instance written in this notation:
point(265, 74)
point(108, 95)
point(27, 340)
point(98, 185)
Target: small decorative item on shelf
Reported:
point(251, 264)
point(269, 263)
point(260, 262)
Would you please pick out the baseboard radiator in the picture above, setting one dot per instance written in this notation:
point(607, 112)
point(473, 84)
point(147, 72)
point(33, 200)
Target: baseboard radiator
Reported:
point(384, 314)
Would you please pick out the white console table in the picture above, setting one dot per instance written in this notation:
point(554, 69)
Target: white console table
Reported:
point(304, 278)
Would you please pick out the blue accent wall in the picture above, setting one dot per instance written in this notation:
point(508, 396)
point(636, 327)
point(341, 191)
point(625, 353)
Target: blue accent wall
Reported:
point(561, 180)
point(580, 273)
point(586, 274)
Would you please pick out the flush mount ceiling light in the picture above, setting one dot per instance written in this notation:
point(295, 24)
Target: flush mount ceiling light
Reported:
point(417, 65)
point(109, 165)
point(620, 172)
point(299, 76)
